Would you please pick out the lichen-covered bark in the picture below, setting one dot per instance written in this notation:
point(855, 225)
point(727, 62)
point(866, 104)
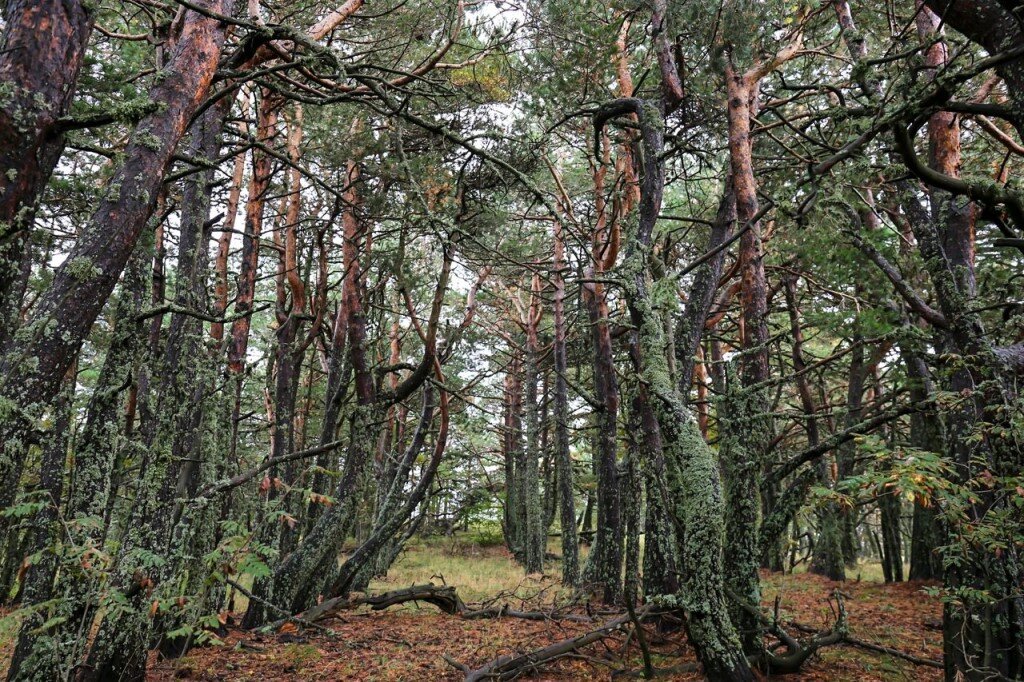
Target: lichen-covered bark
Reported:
point(291, 346)
point(740, 419)
point(163, 549)
point(995, 25)
point(38, 651)
point(53, 335)
point(747, 426)
point(534, 539)
point(980, 636)
point(604, 566)
point(925, 433)
point(56, 651)
point(338, 367)
point(43, 48)
point(563, 459)
point(691, 468)
point(511, 444)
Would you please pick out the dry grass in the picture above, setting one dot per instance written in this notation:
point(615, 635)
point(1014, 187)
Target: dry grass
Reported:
point(478, 572)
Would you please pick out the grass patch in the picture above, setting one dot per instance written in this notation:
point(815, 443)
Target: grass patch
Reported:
point(477, 571)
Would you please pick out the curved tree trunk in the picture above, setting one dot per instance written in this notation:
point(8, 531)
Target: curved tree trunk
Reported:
point(99, 256)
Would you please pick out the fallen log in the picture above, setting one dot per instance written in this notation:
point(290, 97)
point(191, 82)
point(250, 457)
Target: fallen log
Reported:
point(444, 597)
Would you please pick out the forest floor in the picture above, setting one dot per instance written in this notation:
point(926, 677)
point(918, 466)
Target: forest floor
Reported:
point(410, 642)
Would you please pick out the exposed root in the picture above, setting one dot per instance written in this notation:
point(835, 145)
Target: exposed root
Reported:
point(798, 651)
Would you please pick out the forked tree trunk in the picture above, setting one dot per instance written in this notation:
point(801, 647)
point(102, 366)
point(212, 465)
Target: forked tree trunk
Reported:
point(691, 469)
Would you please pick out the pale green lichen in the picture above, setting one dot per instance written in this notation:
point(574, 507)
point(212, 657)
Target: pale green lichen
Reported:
point(82, 269)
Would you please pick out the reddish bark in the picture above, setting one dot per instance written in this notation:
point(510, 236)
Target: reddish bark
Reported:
point(944, 157)
point(220, 304)
point(94, 265)
point(742, 93)
point(43, 47)
point(259, 183)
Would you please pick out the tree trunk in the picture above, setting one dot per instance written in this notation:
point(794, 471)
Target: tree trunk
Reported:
point(533, 516)
point(563, 458)
point(691, 469)
point(43, 48)
point(747, 424)
point(925, 434)
point(94, 265)
point(38, 651)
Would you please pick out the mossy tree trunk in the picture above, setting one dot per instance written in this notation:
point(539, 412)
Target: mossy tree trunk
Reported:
point(747, 424)
point(89, 274)
point(562, 455)
point(38, 651)
point(604, 565)
point(159, 546)
point(691, 469)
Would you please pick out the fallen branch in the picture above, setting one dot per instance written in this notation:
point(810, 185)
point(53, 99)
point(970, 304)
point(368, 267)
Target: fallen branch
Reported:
point(504, 611)
point(888, 651)
point(510, 666)
point(797, 651)
point(877, 648)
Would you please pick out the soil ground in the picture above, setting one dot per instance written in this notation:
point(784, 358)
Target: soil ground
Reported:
point(410, 642)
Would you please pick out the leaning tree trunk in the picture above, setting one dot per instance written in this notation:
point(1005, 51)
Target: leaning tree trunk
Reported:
point(43, 48)
point(82, 285)
point(175, 460)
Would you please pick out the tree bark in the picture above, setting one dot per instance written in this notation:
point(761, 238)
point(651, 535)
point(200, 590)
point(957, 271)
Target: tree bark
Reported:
point(99, 256)
point(692, 471)
point(43, 48)
point(563, 458)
